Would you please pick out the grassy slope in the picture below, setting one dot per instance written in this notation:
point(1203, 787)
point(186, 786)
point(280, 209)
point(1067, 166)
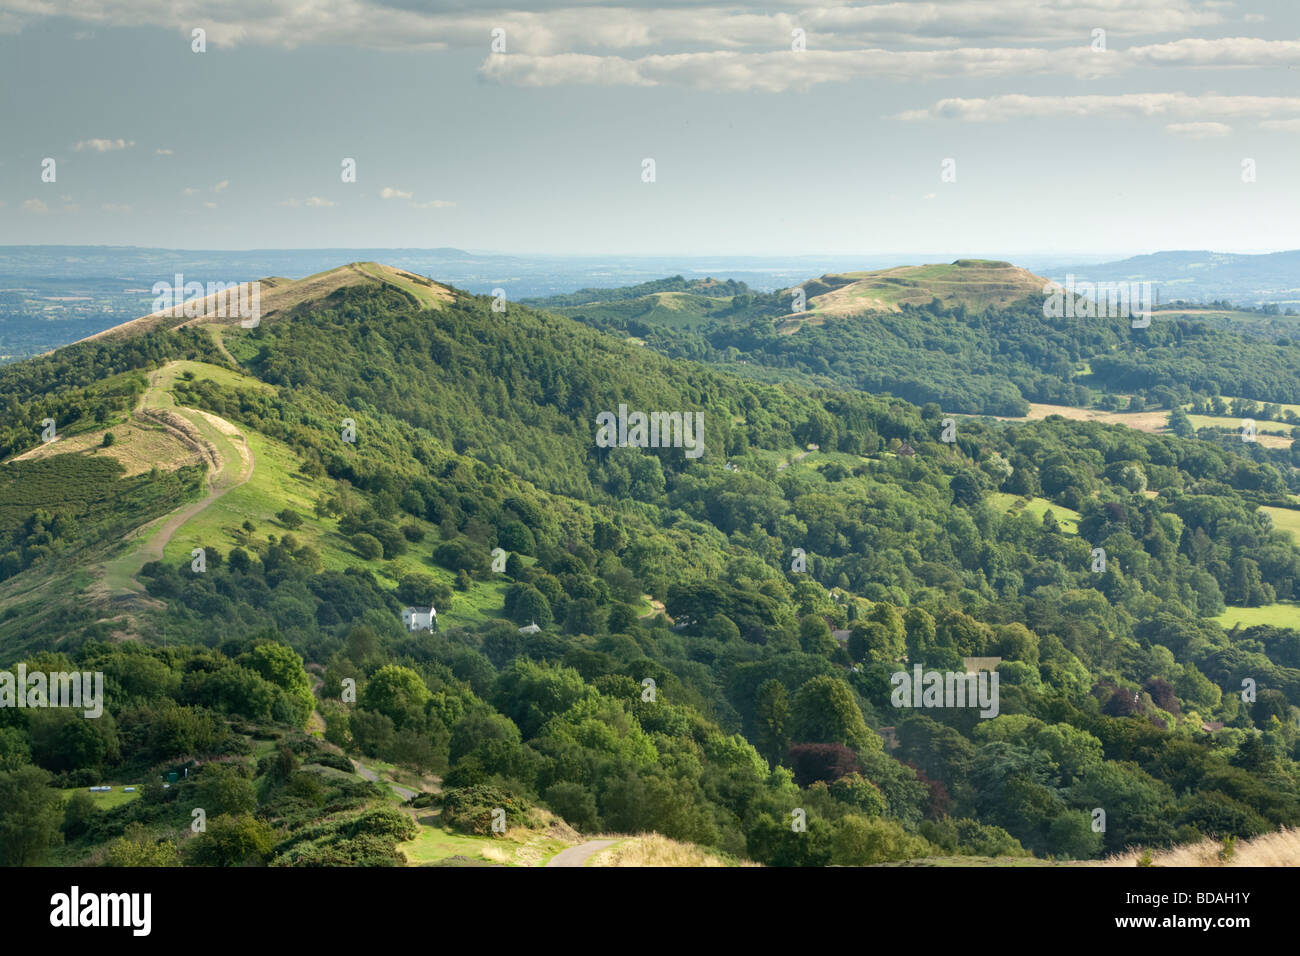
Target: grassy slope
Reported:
point(1068, 520)
point(977, 283)
point(276, 484)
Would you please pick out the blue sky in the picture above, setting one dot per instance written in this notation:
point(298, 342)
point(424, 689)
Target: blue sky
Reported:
point(1059, 147)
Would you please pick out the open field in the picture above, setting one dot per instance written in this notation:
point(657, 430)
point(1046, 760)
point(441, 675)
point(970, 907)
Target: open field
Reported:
point(107, 801)
point(1281, 614)
point(1285, 519)
point(1148, 421)
point(1268, 434)
point(1068, 520)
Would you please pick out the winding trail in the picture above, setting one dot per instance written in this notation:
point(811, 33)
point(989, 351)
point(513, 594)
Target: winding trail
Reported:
point(406, 793)
point(156, 407)
point(578, 855)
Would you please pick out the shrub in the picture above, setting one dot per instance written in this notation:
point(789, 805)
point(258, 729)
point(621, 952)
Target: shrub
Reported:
point(470, 809)
point(236, 840)
point(575, 804)
point(367, 545)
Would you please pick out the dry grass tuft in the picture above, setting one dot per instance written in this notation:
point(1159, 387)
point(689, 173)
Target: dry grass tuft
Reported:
point(652, 849)
point(1272, 849)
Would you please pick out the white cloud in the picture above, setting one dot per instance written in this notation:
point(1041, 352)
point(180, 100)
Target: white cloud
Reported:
point(434, 204)
point(189, 191)
point(778, 70)
point(116, 207)
point(1286, 126)
point(164, 152)
point(388, 192)
point(557, 26)
point(1199, 130)
point(1224, 51)
point(720, 45)
point(221, 185)
point(315, 202)
point(36, 206)
point(103, 145)
point(210, 205)
point(996, 109)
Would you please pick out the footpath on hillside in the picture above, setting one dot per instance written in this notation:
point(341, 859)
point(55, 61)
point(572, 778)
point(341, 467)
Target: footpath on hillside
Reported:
point(213, 439)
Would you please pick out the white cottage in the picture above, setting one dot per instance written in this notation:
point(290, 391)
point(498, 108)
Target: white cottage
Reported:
point(420, 618)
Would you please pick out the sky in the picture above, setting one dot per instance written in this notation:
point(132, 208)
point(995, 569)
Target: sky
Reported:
point(1099, 127)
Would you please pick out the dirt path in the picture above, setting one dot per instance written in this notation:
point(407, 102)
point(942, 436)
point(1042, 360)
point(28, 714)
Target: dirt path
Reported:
point(176, 418)
point(157, 543)
point(578, 855)
point(406, 793)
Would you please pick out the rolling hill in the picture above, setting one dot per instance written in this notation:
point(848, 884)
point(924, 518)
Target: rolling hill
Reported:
point(715, 636)
point(1204, 276)
point(975, 284)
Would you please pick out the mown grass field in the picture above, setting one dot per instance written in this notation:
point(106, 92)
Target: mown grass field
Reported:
point(1068, 520)
point(1285, 519)
point(107, 801)
point(1281, 614)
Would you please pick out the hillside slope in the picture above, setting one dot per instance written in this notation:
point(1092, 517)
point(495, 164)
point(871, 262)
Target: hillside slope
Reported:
point(630, 638)
point(973, 283)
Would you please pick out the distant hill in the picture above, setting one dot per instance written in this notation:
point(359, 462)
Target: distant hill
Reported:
point(675, 302)
point(277, 295)
point(971, 335)
point(974, 283)
point(1204, 276)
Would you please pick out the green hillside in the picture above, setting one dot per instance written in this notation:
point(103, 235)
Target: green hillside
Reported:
point(972, 336)
point(388, 442)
